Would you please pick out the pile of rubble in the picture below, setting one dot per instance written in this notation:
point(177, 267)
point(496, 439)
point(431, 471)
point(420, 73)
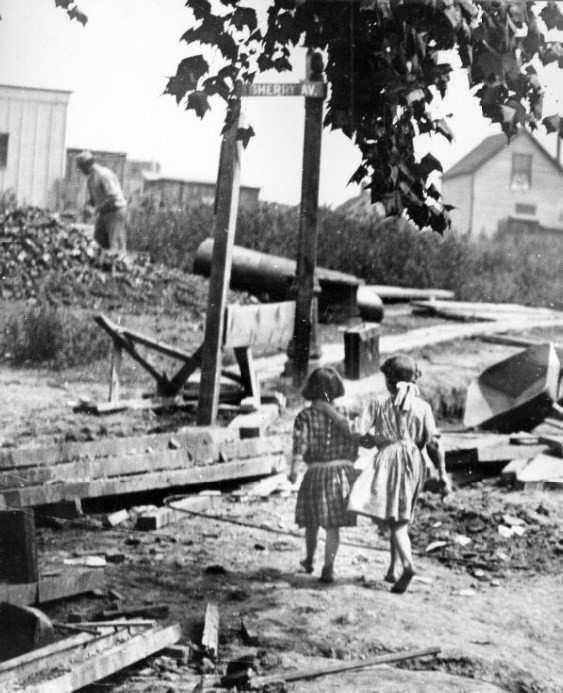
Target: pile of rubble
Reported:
point(44, 258)
point(488, 542)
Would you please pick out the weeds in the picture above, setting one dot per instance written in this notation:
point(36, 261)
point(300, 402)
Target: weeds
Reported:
point(53, 337)
point(523, 269)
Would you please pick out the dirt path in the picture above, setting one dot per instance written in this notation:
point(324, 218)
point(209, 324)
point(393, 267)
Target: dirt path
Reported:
point(497, 631)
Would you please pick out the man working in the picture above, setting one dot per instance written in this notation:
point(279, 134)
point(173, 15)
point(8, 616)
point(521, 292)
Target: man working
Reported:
point(107, 197)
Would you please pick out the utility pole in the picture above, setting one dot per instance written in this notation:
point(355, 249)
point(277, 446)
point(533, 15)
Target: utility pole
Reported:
point(304, 344)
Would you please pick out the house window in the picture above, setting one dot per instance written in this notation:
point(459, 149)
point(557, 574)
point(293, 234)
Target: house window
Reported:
point(521, 178)
point(527, 210)
point(3, 150)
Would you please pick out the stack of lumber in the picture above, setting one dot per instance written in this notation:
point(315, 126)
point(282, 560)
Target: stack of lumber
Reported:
point(494, 312)
point(75, 662)
point(41, 475)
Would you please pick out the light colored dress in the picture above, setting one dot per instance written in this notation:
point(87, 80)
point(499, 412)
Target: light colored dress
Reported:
point(399, 468)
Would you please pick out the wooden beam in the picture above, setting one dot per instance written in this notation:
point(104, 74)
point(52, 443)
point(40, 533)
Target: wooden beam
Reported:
point(48, 589)
point(114, 372)
point(307, 239)
point(248, 374)
point(18, 554)
point(270, 323)
point(210, 637)
point(92, 662)
point(51, 493)
point(255, 425)
point(227, 197)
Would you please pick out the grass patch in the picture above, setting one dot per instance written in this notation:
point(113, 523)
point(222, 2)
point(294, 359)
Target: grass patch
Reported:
point(54, 337)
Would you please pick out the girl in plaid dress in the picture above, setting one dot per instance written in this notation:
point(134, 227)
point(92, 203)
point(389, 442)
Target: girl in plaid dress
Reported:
point(329, 452)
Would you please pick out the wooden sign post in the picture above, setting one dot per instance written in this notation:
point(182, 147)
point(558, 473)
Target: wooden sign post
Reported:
point(228, 186)
point(314, 92)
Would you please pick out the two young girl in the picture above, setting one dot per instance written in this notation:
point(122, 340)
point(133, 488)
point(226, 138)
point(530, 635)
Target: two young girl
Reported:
point(402, 426)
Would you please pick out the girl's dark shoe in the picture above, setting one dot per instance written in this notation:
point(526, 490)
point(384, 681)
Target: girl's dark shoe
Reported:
point(402, 584)
point(327, 576)
point(307, 565)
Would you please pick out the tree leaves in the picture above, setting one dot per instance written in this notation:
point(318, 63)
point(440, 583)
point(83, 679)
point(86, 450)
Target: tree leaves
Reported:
point(187, 76)
point(198, 102)
point(245, 17)
point(73, 11)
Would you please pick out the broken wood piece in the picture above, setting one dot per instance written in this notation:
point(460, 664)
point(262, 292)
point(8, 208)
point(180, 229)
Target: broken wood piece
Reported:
point(24, 628)
point(115, 372)
point(255, 425)
point(265, 487)
point(554, 443)
point(161, 517)
point(210, 637)
point(515, 394)
point(261, 681)
point(151, 611)
point(249, 635)
point(117, 518)
point(509, 473)
point(543, 468)
point(72, 664)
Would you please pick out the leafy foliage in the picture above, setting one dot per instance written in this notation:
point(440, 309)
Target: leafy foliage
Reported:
point(384, 70)
point(524, 269)
point(385, 64)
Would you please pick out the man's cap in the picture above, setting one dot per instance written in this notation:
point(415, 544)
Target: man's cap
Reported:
point(84, 157)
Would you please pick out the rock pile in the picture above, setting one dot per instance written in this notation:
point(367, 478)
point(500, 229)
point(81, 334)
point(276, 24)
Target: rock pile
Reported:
point(45, 258)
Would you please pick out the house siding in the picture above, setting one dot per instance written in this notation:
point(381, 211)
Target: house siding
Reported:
point(35, 122)
point(457, 192)
point(494, 200)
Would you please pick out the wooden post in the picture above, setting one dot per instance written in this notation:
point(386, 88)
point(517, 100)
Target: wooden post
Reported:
point(307, 240)
point(18, 554)
point(114, 372)
point(225, 224)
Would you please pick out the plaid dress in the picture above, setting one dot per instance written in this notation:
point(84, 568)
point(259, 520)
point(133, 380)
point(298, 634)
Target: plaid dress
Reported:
point(330, 455)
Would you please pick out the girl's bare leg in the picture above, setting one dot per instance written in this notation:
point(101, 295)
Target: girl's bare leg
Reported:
point(331, 549)
point(391, 574)
point(400, 531)
point(311, 536)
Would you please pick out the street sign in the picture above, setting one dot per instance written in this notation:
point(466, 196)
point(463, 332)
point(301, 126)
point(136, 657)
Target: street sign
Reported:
point(311, 90)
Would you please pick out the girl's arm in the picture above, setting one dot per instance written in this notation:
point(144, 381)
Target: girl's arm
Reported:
point(296, 463)
point(344, 424)
point(437, 456)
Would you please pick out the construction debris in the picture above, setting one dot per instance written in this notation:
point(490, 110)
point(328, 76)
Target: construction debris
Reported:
point(74, 662)
point(45, 258)
point(515, 394)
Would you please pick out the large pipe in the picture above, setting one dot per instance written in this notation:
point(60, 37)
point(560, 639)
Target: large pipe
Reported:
point(269, 277)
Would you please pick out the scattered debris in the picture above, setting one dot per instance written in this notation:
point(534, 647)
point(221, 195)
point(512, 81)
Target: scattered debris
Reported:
point(210, 637)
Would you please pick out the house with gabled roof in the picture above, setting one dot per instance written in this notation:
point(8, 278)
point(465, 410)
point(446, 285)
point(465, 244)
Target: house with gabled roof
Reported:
point(498, 182)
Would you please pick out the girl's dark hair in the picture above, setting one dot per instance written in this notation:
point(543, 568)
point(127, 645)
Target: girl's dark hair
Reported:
point(401, 367)
point(323, 383)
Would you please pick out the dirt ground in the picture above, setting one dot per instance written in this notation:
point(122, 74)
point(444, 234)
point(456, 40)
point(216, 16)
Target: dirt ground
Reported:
point(494, 611)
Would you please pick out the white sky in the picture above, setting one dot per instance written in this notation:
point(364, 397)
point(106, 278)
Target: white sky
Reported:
point(117, 68)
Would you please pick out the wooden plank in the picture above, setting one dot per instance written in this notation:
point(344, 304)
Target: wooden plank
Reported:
point(68, 584)
point(83, 670)
point(249, 377)
point(210, 637)
point(112, 447)
point(553, 442)
point(51, 493)
point(270, 323)
point(103, 468)
point(161, 347)
point(18, 554)
point(493, 310)
point(542, 468)
point(387, 292)
point(255, 425)
point(227, 197)
point(47, 589)
point(114, 372)
point(173, 513)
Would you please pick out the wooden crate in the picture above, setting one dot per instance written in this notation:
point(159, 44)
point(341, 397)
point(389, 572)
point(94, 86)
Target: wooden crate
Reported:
point(361, 351)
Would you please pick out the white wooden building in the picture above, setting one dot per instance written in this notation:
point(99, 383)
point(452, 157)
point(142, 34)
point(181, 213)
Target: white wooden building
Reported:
point(32, 143)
